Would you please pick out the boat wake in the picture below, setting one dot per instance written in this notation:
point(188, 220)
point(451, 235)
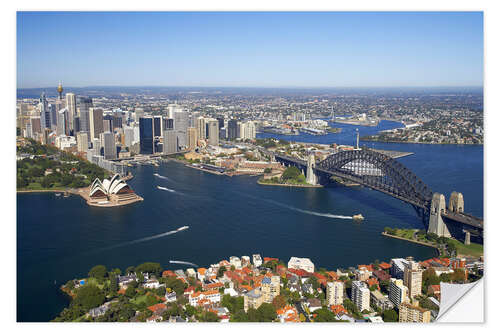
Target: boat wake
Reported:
point(160, 176)
point(165, 189)
point(145, 239)
point(183, 263)
point(304, 211)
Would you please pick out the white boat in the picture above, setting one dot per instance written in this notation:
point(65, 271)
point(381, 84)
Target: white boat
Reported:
point(162, 188)
point(183, 228)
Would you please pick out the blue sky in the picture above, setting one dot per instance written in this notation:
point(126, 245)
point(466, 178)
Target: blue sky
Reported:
point(326, 49)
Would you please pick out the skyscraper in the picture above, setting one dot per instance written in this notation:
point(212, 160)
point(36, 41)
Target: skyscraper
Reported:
point(181, 123)
point(200, 126)
point(96, 123)
point(157, 126)
point(170, 144)
point(71, 106)
point(84, 103)
point(334, 293)
point(62, 122)
point(82, 141)
point(108, 142)
point(36, 126)
point(232, 129)
point(213, 132)
point(397, 292)
point(192, 138)
point(146, 135)
point(45, 115)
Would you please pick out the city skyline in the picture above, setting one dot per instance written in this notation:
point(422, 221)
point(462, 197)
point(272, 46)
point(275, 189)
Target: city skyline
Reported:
point(265, 49)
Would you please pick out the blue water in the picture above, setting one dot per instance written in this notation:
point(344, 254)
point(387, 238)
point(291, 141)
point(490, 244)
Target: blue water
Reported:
point(62, 238)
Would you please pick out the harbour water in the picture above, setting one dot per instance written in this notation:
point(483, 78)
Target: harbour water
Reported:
point(62, 238)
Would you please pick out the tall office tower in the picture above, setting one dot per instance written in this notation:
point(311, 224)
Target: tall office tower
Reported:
point(360, 295)
point(398, 292)
point(169, 141)
point(168, 123)
point(157, 126)
point(117, 120)
point(108, 142)
point(62, 122)
point(138, 114)
point(28, 132)
point(146, 135)
point(71, 106)
point(192, 138)
point(201, 127)
point(82, 141)
point(172, 108)
point(213, 132)
point(85, 103)
point(128, 132)
point(76, 123)
point(96, 123)
point(53, 116)
point(36, 126)
point(220, 120)
point(232, 129)
point(248, 130)
point(96, 146)
point(334, 293)
point(45, 115)
point(181, 122)
point(107, 121)
point(241, 129)
point(413, 278)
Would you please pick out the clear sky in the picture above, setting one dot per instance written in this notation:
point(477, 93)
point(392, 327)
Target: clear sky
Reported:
point(326, 49)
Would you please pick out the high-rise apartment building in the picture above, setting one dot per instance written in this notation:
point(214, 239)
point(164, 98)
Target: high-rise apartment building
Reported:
point(96, 123)
point(413, 278)
point(360, 295)
point(334, 293)
point(398, 292)
point(201, 127)
point(270, 288)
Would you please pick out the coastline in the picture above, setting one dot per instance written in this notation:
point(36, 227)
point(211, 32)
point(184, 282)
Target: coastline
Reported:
point(290, 185)
point(422, 143)
point(411, 240)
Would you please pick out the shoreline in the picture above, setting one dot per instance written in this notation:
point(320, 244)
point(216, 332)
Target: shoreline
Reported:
point(422, 143)
point(290, 185)
point(412, 241)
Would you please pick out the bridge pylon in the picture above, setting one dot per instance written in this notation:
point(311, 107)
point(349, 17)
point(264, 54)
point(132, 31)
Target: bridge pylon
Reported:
point(436, 223)
point(311, 177)
point(456, 204)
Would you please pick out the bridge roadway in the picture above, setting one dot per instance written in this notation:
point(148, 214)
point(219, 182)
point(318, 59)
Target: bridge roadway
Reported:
point(463, 218)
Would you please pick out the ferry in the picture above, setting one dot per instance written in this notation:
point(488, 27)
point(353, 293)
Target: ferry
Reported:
point(183, 228)
point(358, 217)
point(58, 194)
point(162, 188)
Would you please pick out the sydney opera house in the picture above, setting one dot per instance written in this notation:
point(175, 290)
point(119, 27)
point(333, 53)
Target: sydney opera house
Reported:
point(111, 192)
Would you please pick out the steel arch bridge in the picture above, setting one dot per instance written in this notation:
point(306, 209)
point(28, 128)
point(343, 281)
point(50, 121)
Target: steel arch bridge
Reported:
point(379, 172)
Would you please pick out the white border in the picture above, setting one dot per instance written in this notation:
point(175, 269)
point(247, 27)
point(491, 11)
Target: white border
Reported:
point(492, 114)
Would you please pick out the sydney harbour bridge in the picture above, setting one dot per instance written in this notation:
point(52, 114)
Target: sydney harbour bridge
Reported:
point(383, 173)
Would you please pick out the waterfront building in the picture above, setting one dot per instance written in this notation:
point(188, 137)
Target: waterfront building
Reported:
point(334, 293)
point(192, 138)
point(96, 123)
point(71, 106)
point(169, 141)
point(301, 263)
point(398, 267)
point(257, 260)
point(398, 292)
point(412, 313)
point(270, 288)
point(413, 278)
point(360, 295)
point(235, 261)
point(213, 133)
point(146, 135)
point(181, 123)
point(63, 122)
point(108, 142)
point(114, 191)
point(82, 141)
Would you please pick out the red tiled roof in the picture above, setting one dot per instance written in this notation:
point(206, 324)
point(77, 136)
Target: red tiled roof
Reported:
point(157, 307)
point(384, 265)
point(266, 259)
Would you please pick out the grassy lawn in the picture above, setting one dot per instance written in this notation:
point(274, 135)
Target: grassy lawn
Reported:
point(139, 299)
point(405, 233)
point(473, 249)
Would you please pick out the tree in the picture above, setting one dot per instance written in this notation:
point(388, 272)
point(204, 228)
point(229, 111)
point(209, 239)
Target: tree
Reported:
point(279, 302)
point(291, 173)
point(266, 312)
point(150, 267)
point(99, 272)
point(390, 316)
point(89, 297)
point(210, 317)
point(129, 270)
point(220, 272)
point(324, 315)
point(130, 292)
point(113, 286)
